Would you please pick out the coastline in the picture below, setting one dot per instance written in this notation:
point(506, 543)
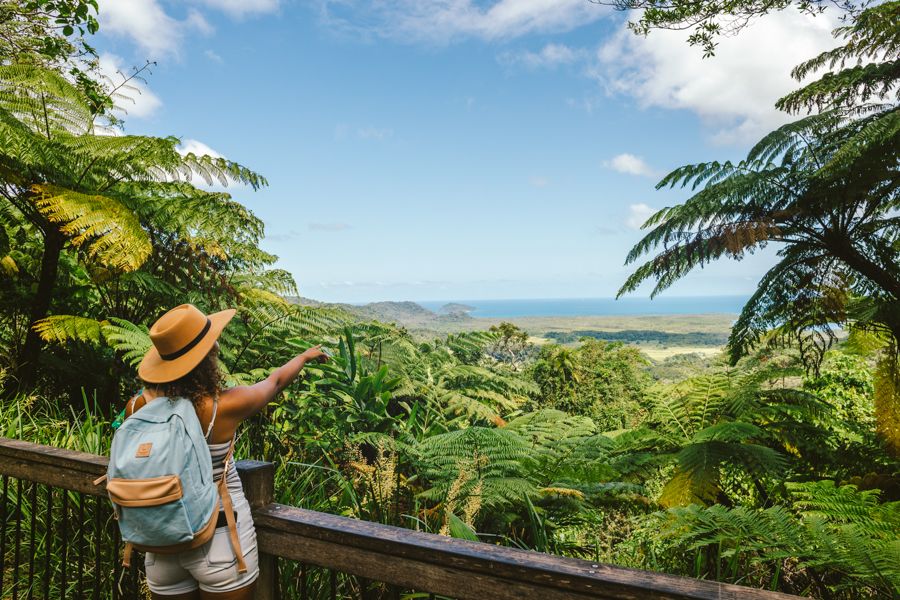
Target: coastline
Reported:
point(658, 335)
point(588, 307)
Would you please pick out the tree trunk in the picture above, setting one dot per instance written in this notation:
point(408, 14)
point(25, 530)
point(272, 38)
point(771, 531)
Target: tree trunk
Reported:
point(28, 358)
point(874, 272)
point(880, 276)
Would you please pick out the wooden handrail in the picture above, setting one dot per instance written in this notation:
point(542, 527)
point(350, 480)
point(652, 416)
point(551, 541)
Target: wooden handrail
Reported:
point(51, 466)
point(423, 561)
point(464, 569)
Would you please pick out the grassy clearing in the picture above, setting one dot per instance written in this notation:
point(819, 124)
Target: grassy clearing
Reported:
point(706, 323)
point(659, 352)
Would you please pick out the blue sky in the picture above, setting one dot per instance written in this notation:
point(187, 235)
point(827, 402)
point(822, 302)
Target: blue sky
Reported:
point(453, 149)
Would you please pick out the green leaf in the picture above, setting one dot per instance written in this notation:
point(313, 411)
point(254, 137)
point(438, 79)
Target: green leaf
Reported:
point(460, 530)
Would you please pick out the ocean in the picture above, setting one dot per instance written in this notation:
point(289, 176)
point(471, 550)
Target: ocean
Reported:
point(573, 307)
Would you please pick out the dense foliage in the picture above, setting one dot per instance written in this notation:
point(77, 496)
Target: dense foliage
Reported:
point(755, 470)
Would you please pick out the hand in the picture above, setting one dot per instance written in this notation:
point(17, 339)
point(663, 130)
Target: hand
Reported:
point(315, 354)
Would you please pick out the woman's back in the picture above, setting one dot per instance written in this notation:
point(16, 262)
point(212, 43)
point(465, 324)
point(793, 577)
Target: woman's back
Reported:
point(183, 363)
point(219, 412)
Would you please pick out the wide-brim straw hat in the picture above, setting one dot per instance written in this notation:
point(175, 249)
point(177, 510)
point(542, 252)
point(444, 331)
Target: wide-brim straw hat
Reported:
point(181, 340)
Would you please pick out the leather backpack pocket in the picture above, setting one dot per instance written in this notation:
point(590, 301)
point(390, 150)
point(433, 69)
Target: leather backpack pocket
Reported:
point(154, 491)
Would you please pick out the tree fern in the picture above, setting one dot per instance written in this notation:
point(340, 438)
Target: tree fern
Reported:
point(109, 198)
point(838, 535)
point(496, 460)
point(851, 531)
point(568, 450)
point(720, 426)
point(824, 187)
point(847, 505)
point(873, 35)
point(470, 392)
point(266, 323)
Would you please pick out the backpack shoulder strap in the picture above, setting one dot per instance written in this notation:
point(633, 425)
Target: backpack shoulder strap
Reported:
point(212, 421)
point(126, 554)
point(228, 507)
point(135, 398)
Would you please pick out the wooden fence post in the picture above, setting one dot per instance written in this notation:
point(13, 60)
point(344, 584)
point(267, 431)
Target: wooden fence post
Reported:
point(258, 479)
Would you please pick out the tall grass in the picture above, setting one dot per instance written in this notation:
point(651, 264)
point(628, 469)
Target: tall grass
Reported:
point(37, 420)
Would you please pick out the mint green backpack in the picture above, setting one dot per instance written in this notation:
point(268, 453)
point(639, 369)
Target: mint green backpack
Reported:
point(161, 484)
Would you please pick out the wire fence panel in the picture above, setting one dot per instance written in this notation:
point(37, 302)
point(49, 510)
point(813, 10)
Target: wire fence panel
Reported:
point(301, 581)
point(56, 543)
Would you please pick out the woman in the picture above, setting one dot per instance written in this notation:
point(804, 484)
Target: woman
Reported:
point(183, 362)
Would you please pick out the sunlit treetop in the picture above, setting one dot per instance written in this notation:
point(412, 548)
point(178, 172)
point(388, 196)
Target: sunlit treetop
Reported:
point(709, 20)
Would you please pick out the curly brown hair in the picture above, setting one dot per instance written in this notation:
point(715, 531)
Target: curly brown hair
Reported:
point(203, 381)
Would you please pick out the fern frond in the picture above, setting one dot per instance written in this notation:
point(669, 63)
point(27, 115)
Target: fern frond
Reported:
point(60, 329)
point(43, 99)
point(130, 339)
point(101, 225)
point(847, 505)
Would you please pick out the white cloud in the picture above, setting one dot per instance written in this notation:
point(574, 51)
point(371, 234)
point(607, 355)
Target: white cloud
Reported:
point(638, 214)
point(213, 56)
point(148, 25)
point(539, 182)
point(329, 226)
point(338, 284)
point(733, 92)
point(134, 99)
point(241, 8)
point(196, 20)
point(548, 57)
point(630, 165)
point(587, 103)
point(374, 133)
point(287, 236)
point(342, 131)
point(605, 230)
point(442, 21)
point(189, 146)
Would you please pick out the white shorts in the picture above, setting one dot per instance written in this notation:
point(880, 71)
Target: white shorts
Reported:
point(212, 567)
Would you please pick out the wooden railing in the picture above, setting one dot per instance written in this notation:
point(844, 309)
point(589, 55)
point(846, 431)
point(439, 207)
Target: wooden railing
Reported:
point(59, 540)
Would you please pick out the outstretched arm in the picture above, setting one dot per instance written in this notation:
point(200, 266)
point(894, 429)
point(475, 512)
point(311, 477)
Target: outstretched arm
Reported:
point(247, 400)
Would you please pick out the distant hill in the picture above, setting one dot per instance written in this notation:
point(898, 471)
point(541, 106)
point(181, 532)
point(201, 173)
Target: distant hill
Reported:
point(414, 317)
point(393, 311)
point(452, 308)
